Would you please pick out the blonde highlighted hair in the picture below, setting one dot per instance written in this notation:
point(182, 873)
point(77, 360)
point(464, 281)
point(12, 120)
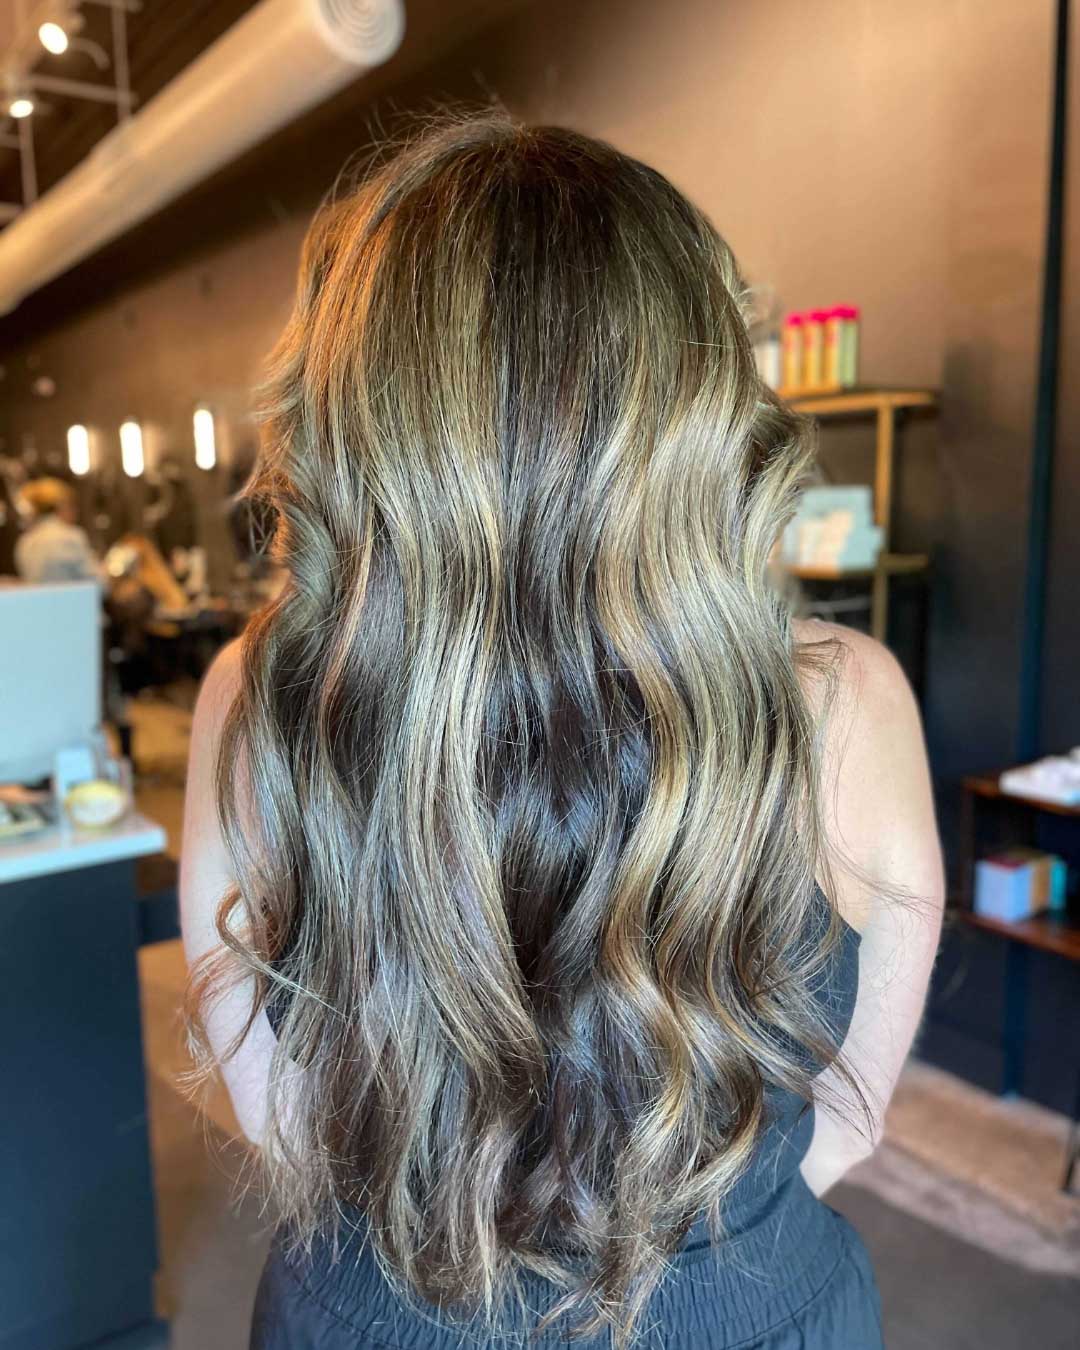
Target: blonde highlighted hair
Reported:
point(45, 496)
point(520, 782)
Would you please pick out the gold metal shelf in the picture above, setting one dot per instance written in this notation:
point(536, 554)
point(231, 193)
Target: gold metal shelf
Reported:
point(890, 564)
point(852, 402)
point(884, 405)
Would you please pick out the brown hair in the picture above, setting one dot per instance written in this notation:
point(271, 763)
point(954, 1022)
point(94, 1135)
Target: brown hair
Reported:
point(520, 783)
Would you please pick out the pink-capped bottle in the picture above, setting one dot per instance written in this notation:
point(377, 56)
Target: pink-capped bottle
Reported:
point(791, 371)
point(849, 344)
point(834, 332)
point(814, 348)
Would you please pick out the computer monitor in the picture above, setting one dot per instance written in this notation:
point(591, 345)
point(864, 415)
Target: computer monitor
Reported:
point(50, 674)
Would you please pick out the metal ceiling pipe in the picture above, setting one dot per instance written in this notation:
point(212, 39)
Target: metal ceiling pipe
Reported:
point(282, 58)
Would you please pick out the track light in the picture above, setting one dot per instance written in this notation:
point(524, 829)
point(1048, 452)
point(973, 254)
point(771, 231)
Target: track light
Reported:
point(53, 38)
point(205, 444)
point(131, 449)
point(78, 443)
point(20, 106)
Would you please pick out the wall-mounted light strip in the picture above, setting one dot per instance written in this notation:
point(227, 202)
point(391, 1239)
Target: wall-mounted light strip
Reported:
point(131, 449)
point(53, 38)
point(78, 444)
point(205, 443)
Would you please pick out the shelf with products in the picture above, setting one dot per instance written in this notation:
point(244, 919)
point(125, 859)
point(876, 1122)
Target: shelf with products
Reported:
point(986, 785)
point(1053, 932)
point(1058, 933)
point(886, 406)
point(992, 817)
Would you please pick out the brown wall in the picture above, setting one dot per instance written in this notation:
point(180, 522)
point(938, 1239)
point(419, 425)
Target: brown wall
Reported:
point(1061, 673)
point(890, 155)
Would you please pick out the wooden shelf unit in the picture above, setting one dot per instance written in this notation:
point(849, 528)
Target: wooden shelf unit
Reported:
point(1058, 933)
point(1046, 932)
point(985, 785)
point(884, 405)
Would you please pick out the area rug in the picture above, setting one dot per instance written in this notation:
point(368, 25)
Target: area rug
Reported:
point(983, 1168)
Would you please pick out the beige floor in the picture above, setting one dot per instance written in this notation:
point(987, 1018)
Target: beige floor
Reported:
point(213, 1237)
point(985, 1169)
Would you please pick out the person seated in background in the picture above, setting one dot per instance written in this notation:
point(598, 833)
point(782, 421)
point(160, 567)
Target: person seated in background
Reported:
point(54, 547)
point(141, 587)
point(137, 568)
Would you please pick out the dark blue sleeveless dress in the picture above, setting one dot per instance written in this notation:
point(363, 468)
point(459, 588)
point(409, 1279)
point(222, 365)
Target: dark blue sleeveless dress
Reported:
point(791, 1273)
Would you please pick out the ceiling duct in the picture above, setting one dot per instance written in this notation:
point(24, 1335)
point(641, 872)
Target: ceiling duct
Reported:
point(281, 58)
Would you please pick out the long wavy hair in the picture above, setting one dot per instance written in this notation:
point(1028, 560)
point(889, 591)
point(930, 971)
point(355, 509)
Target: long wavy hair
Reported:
point(520, 780)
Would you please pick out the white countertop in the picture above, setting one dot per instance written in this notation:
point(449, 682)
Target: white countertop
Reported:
point(62, 848)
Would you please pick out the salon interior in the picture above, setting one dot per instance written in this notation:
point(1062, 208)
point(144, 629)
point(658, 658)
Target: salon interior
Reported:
point(901, 186)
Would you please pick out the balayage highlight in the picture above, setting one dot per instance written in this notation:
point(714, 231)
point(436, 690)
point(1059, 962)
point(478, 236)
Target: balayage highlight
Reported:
point(520, 783)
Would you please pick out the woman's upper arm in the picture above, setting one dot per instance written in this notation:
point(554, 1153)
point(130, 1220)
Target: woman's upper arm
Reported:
point(205, 867)
point(886, 860)
point(206, 876)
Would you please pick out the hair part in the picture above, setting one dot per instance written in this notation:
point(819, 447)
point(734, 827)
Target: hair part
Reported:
point(520, 784)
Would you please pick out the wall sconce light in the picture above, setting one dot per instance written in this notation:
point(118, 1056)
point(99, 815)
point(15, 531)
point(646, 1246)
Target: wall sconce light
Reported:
point(57, 39)
point(205, 443)
point(53, 38)
point(131, 449)
point(78, 444)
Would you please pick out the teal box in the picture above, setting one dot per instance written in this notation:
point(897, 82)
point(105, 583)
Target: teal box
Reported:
point(1002, 890)
point(1019, 883)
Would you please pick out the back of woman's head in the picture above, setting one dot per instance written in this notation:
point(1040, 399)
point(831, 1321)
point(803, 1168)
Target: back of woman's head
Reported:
point(519, 782)
point(46, 497)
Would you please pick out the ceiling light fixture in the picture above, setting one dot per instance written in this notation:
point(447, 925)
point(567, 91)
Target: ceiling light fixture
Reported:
point(20, 106)
point(53, 38)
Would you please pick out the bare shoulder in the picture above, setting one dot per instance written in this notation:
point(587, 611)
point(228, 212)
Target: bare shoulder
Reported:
point(876, 796)
point(205, 865)
point(219, 688)
point(860, 695)
point(859, 676)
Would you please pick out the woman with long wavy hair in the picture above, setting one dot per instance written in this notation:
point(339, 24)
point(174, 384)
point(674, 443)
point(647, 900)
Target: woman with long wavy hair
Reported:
point(560, 910)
